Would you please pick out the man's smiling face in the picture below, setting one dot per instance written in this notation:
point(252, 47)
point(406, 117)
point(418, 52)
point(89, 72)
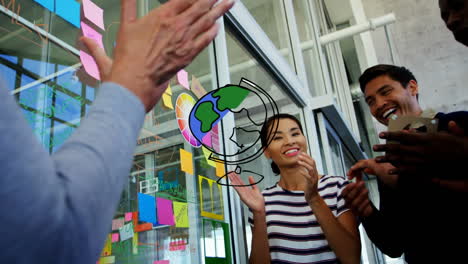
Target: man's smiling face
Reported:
point(385, 97)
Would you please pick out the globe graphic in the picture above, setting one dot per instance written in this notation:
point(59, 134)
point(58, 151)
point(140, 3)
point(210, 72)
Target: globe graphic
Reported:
point(207, 113)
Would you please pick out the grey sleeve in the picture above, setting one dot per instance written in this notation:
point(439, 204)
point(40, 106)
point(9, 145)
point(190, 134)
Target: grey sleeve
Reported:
point(58, 209)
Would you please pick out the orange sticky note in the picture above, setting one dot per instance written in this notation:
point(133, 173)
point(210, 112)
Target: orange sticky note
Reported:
point(220, 171)
point(186, 161)
point(143, 227)
point(167, 101)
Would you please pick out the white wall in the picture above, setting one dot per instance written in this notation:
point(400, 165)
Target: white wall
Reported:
point(427, 48)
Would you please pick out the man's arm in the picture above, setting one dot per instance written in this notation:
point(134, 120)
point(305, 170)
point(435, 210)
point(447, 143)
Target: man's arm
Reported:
point(382, 225)
point(58, 210)
point(66, 202)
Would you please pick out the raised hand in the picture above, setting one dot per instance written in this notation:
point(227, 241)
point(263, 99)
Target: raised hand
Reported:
point(370, 166)
point(250, 195)
point(150, 50)
point(425, 154)
point(310, 174)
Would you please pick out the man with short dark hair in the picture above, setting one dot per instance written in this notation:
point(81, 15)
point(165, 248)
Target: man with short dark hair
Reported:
point(417, 216)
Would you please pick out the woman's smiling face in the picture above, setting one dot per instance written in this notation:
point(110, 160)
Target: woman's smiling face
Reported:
point(287, 143)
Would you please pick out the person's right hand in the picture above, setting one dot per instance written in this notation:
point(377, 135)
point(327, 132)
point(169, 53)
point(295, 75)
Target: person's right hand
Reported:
point(356, 197)
point(370, 166)
point(150, 50)
point(250, 195)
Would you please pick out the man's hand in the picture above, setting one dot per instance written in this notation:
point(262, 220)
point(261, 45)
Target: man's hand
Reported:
point(370, 166)
point(424, 154)
point(150, 50)
point(356, 196)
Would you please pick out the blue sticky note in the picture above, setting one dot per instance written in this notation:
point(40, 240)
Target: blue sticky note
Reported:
point(147, 208)
point(69, 10)
point(49, 4)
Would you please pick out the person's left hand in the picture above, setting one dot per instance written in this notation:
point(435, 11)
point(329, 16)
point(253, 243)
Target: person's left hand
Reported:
point(311, 175)
point(424, 153)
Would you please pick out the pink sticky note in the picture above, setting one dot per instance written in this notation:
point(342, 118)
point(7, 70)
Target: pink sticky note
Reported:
point(165, 212)
point(182, 79)
point(89, 64)
point(93, 13)
point(115, 237)
point(161, 262)
point(92, 34)
point(128, 216)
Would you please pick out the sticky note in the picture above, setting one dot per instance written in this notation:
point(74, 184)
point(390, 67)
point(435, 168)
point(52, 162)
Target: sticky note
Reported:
point(167, 101)
point(107, 250)
point(165, 212)
point(143, 227)
point(186, 161)
point(220, 170)
point(182, 79)
point(68, 10)
point(107, 260)
point(93, 13)
point(168, 89)
point(147, 208)
point(115, 237)
point(128, 216)
point(90, 65)
point(197, 88)
point(135, 244)
point(92, 34)
point(207, 153)
point(161, 262)
point(181, 214)
point(126, 232)
point(49, 4)
point(117, 223)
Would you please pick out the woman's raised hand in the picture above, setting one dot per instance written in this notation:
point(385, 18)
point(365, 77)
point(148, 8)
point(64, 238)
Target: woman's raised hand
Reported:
point(310, 174)
point(250, 195)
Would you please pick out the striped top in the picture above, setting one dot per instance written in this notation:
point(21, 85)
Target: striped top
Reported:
point(294, 235)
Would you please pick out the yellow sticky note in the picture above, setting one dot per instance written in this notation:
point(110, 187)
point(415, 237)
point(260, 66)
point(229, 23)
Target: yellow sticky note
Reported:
point(206, 153)
point(107, 260)
point(107, 250)
point(220, 171)
point(181, 214)
point(167, 101)
point(186, 161)
point(135, 244)
point(168, 90)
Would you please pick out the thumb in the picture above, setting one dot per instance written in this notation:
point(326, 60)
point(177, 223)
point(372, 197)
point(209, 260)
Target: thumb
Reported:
point(454, 129)
point(103, 62)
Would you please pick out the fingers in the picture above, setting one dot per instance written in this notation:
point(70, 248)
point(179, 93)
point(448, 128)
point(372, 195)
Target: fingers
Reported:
point(128, 11)
point(454, 129)
point(202, 20)
point(103, 62)
point(178, 6)
point(405, 137)
point(356, 196)
point(356, 170)
point(198, 10)
point(398, 148)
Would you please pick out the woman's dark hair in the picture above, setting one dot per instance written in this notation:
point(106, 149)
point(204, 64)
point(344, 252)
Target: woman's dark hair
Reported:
point(266, 136)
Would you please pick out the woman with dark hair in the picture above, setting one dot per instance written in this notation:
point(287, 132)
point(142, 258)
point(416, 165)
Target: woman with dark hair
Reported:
point(302, 218)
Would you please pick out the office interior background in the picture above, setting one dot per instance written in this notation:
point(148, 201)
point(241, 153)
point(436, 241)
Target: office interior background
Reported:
point(306, 54)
